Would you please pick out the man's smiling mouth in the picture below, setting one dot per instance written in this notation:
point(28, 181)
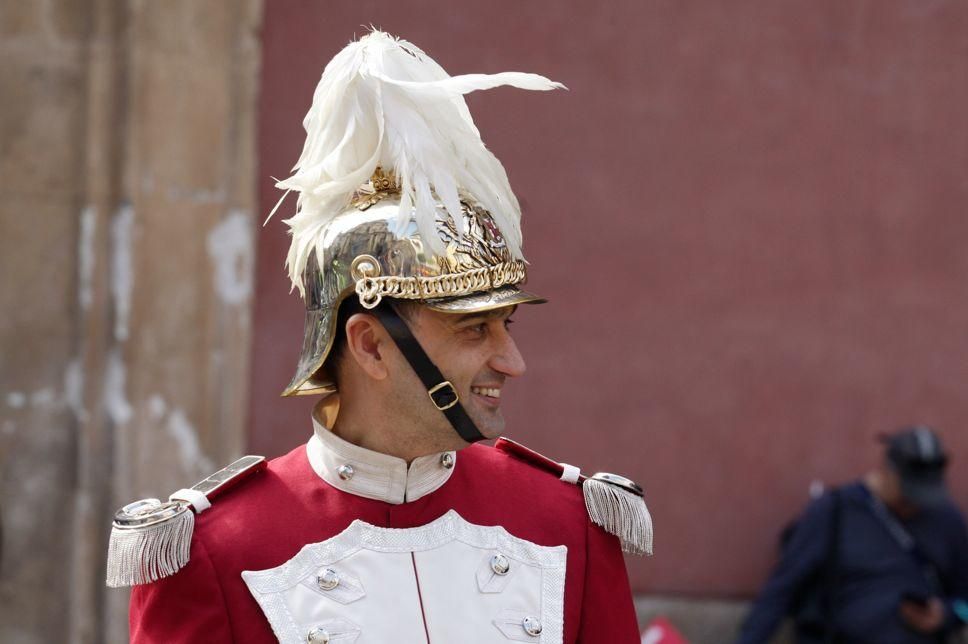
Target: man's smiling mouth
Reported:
point(490, 392)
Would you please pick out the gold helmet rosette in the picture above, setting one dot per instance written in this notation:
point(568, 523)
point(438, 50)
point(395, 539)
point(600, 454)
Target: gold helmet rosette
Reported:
point(398, 196)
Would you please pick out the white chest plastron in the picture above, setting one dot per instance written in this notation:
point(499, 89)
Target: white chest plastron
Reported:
point(446, 582)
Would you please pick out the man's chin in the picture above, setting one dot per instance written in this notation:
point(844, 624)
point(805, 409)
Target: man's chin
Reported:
point(490, 427)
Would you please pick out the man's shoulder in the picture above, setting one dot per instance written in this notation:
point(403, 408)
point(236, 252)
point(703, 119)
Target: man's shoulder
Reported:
point(284, 481)
point(511, 482)
point(949, 517)
point(608, 500)
point(151, 539)
point(509, 465)
point(821, 508)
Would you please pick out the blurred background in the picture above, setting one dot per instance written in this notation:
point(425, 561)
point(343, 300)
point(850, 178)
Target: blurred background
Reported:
point(749, 218)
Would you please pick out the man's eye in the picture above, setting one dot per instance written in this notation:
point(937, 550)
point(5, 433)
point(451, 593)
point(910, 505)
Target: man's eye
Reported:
point(475, 330)
point(508, 322)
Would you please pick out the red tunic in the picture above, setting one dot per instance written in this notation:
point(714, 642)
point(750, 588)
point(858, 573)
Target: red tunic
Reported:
point(269, 518)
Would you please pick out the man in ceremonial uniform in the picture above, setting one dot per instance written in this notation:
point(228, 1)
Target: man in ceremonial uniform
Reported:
point(394, 524)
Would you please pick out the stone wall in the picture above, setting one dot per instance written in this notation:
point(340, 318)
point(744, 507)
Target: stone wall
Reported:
point(126, 258)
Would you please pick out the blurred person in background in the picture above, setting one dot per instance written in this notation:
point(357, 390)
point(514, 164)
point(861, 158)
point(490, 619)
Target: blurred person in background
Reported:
point(883, 560)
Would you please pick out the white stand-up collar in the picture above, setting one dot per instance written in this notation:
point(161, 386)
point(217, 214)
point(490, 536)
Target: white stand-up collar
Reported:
point(373, 475)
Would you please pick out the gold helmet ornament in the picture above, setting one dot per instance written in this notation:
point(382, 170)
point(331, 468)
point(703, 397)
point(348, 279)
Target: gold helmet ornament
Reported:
point(399, 198)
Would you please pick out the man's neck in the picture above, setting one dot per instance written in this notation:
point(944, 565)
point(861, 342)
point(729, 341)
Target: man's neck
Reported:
point(358, 424)
point(874, 484)
point(874, 481)
point(372, 436)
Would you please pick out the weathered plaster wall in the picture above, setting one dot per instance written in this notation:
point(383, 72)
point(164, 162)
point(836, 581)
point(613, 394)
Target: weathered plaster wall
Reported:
point(126, 260)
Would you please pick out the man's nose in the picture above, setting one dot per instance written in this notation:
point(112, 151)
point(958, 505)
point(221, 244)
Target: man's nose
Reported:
point(508, 360)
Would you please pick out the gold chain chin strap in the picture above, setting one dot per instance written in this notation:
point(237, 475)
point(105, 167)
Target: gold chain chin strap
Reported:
point(371, 290)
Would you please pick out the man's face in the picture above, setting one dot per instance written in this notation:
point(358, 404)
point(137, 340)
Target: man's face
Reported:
point(477, 354)
point(893, 495)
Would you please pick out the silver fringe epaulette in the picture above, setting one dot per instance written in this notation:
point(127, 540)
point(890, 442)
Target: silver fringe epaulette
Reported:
point(614, 502)
point(151, 540)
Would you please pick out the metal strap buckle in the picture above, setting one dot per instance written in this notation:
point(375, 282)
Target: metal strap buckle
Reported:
point(446, 393)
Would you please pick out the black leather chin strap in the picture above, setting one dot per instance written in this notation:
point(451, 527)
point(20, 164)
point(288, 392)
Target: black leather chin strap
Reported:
point(441, 391)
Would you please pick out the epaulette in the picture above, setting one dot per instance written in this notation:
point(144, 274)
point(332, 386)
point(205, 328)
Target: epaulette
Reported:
point(614, 502)
point(151, 539)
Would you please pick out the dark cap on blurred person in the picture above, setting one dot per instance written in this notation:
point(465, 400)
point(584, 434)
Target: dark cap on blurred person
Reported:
point(919, 458)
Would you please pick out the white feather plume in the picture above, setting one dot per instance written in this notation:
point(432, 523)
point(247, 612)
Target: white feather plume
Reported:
point(383, 102)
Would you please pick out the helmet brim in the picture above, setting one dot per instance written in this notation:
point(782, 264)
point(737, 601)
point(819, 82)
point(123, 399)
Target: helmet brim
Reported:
point(485, 301)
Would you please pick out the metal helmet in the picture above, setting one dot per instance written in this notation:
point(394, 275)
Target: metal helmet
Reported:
point(367, 259)
point(398, 196)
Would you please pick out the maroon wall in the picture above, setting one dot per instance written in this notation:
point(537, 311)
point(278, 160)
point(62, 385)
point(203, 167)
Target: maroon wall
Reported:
point(750, 221)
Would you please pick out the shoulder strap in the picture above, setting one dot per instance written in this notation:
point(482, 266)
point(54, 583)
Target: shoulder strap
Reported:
point(441, 391)
point(906, 542)
point(831, 567)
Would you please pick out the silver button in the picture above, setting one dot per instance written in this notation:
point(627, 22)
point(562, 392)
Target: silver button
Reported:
point(447, 460)
point(500, 564)
point(345, 472)
point(328, 580)
point(532, 626)
point(317, 636)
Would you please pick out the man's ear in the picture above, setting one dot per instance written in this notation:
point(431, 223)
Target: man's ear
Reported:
point(366, 342)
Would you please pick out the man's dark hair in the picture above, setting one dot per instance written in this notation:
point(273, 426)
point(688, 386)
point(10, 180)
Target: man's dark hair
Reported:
point(347, 309)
